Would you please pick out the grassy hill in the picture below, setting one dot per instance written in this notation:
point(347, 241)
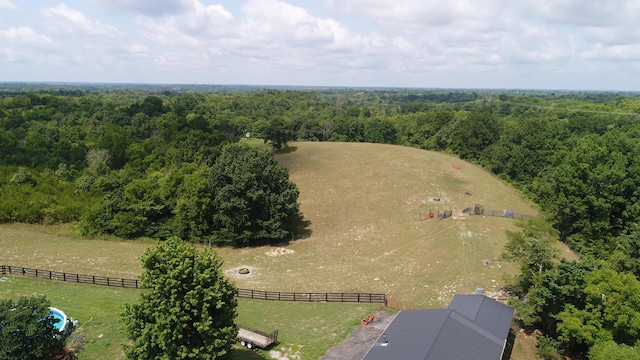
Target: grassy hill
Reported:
point(363, 202)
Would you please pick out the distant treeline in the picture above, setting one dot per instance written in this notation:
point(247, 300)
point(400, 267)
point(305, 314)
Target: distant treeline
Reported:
point(157, 161)
point(77, 147)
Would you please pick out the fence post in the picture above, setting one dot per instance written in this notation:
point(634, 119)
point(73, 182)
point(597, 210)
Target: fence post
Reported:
point(253, 294)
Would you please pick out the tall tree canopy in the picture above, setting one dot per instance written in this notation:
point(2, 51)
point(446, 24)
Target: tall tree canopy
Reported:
point(27, 330)
point(186, 309)
point(611, 311)
point(254, 201)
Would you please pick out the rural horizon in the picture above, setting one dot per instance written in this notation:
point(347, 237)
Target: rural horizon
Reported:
point(413, 195)
point(204, 86)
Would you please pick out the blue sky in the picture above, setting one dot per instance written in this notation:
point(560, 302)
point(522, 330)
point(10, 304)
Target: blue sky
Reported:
point(513, 44)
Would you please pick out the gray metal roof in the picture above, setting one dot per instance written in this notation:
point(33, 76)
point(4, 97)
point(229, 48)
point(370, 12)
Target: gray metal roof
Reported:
point(489, 314)
point(446, 334)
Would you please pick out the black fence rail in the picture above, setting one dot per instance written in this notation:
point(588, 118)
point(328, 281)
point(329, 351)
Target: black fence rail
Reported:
point(505, 213)
point(242, 293)
point(312, 297)
point(62, 276)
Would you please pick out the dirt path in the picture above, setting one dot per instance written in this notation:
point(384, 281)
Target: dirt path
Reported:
point(356, 345)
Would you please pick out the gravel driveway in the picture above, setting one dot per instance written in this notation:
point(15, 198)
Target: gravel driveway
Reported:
point(358, 342)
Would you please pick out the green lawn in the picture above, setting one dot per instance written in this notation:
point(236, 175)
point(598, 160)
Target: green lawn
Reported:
point(97, 309)
point(363, 202)
point(317, 326)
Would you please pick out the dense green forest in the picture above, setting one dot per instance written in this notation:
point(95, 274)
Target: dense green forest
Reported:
point(158, 161)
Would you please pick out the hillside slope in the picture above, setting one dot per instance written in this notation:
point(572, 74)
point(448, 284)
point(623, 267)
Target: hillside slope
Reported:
point(364, 203)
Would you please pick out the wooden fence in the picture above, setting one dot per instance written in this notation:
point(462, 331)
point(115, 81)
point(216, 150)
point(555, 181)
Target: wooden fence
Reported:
point(62, 276)
point(242, 293)
point(505, 213)
point(312, 297)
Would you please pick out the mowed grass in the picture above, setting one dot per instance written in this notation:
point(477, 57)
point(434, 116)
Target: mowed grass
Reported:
point(306, 330)
point(363, 202)
point(96, 307)
point(98, 310)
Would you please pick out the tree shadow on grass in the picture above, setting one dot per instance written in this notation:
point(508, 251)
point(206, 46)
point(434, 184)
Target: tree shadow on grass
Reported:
point(286, 149)
point(247, 354)
point(300, 227)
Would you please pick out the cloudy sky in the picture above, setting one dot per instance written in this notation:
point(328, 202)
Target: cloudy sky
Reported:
point(525, 44)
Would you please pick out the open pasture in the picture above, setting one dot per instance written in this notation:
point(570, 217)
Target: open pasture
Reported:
point(364, 203)
point(315, 325)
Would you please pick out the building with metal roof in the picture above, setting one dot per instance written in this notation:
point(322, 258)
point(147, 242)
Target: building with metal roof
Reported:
point(472, 327)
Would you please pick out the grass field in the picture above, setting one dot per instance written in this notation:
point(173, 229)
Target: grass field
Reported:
point(363, 202)
point(96, 307)
point(308, 329)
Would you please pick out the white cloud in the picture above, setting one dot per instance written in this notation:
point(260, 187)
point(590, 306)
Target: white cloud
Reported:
point(195, 26)
point(629, 52)
point(585, 13)
point(417, 14)
point(23, 35)
point(23, 44)
point(612, 22)
point(288, 25)
point(394, 12)
point(88, 43)
point(147, 7)
point(621, 34)
point(67, 20)
point(348, 42)
point(8, 5)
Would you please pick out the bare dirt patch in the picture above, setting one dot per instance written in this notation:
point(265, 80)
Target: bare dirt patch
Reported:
point(359, 341)
point(285, 353)
point(279, 251)
point(234, 272)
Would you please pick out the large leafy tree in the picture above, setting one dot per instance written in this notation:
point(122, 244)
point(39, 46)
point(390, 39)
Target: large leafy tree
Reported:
point(186, 309)
point(526, 148)
point(194, 207)
point(611, 311)
point(27, 331)
point(253, 199)
point(589, 193)
point(380, 131)
point(611, 350)
point(276, 133)
point(473, 134)
point(531, 247)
